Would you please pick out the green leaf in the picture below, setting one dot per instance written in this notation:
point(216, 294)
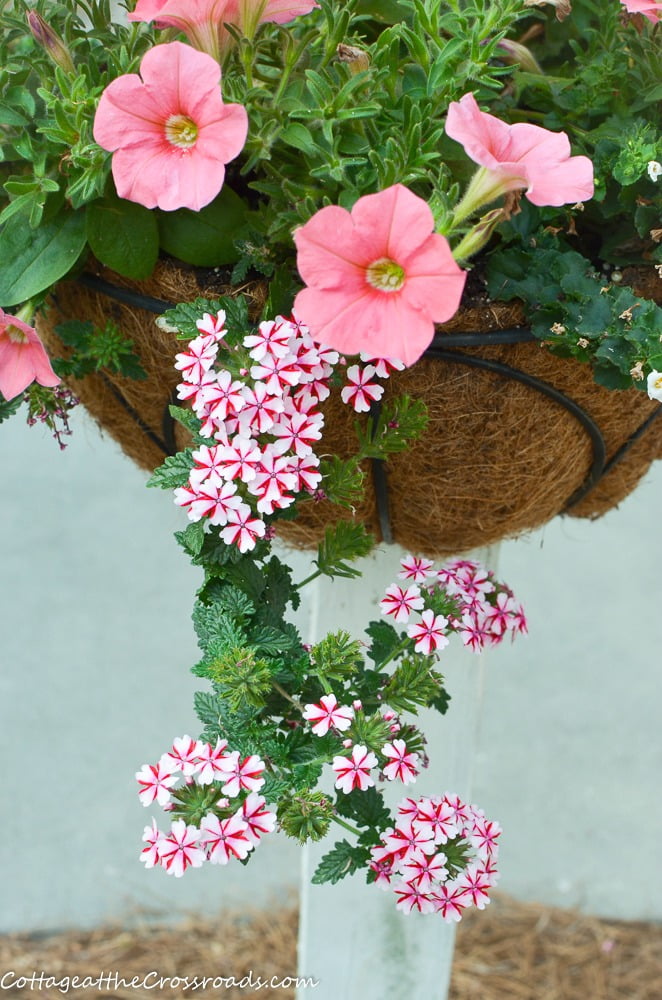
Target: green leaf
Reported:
point(205, 238)
point(192, 537)
point(123, 235)
point(206, 708)
point(385, 640)
point(212, 626)
point(76, 333)
point(298, 136)
point(413, 683)
point(8, 407)
point(33, 260)
point(342, 541)
point(365, 808)
point(344, 859)
point(174, 472)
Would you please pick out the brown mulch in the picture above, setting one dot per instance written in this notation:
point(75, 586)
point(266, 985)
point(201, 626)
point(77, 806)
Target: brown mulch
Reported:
point(512, 951)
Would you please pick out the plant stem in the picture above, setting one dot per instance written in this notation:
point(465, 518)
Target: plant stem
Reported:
point(313, 576)
point(395, 653)
point(281, 690)
point(341, 822)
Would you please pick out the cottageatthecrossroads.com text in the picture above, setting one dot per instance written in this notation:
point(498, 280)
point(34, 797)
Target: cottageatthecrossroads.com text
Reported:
point(112, 981)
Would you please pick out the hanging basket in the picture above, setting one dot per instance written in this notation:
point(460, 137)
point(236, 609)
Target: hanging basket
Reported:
point(515, 434)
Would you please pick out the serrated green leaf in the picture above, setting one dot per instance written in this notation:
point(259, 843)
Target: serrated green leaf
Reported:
point(343, 859)
point(365, 808)
point(214, 626)
point(385, 640)
point(174, 472)
point(342, 541)
point(192, 537)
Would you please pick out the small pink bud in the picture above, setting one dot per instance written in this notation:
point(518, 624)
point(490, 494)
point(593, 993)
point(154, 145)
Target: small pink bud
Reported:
point(357, 705)
point(347, 743)
point(50, 41)
point(395, 728)
point(387, 716)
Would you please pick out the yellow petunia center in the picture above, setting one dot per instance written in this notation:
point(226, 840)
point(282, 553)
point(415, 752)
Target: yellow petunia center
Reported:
point(181, 131)
point(657, 382)
point(385, 275)
point(16, 336)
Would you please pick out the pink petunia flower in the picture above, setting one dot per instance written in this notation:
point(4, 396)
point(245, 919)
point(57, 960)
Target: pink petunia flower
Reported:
point(378, 278)
point(328, 713)
point(168, 129)
point(23, 359)
point(354, 771)
point(203, 21)
point(652, 9)
point(514, 157)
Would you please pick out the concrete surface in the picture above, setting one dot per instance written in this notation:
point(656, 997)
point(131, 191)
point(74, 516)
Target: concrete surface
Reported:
point(96, 644)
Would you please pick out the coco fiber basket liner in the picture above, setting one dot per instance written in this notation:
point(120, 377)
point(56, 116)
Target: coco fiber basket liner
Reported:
point(515, 435)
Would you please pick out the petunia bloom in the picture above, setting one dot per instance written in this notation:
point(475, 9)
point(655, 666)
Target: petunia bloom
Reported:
point(652, 9)
point(168, 129)
point(514, 157)
point(378, 277)
point(204, 21)
point(23, 359)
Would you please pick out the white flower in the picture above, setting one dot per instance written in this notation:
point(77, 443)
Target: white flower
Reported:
point(654, 169)
point(654, 386)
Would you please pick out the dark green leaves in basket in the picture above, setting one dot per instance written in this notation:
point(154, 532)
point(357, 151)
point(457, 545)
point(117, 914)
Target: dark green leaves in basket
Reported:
point(205, 238)
point(344, 859)
point(95, 348)
point(185, 316)
point(123, 235)
point(33, 259)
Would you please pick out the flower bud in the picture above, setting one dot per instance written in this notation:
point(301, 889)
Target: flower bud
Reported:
point(356, 59)
point(515, 52)
point(50, 41)
point(477, 237)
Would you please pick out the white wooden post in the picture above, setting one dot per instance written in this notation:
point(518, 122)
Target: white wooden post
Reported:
point(351, 937)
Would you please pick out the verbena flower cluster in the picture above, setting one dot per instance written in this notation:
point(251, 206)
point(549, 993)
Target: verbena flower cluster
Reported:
point(440, 857)
point(264, 424)
point(233, 817)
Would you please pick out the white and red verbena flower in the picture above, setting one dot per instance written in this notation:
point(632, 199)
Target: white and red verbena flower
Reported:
point(409, 860)
point(327, 714)
point(354, 771)
point(429, 634)
point(220, 837)
point(402, 763)
point(179, 850)
point(400, 604)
